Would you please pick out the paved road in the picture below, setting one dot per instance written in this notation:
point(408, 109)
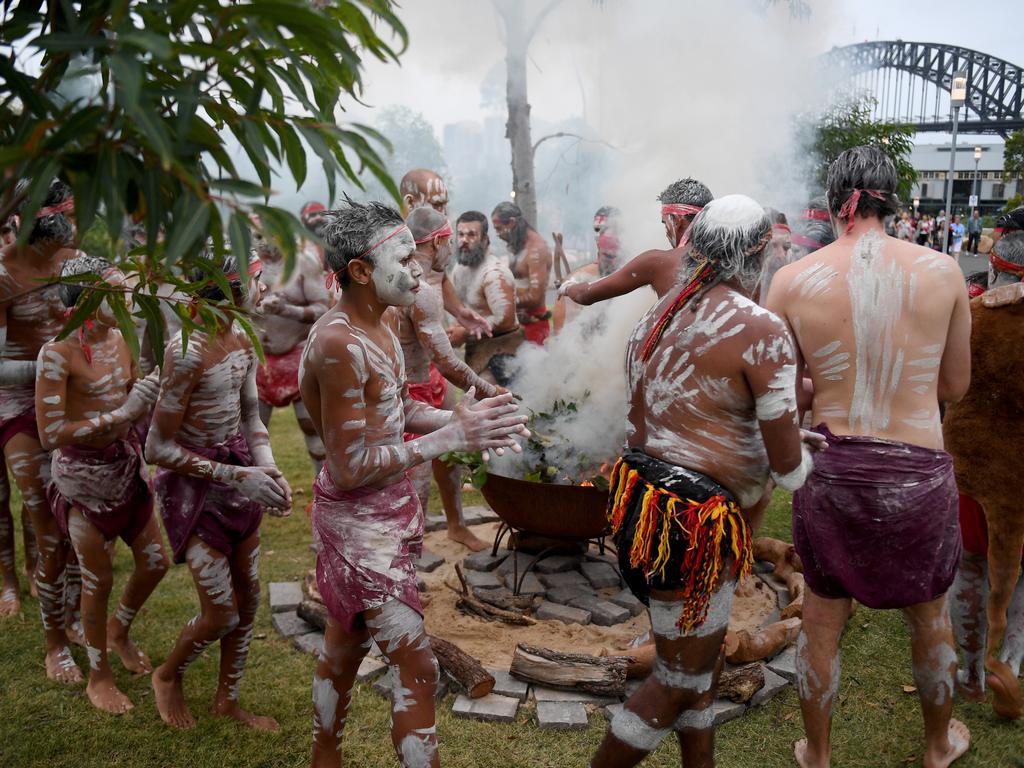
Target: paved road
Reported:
point(971, 264)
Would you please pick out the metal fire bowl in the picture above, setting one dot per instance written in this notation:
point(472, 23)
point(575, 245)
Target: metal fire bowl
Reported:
point(556, 511)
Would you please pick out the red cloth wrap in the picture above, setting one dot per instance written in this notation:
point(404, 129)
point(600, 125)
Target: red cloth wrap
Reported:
point(974, 527)
point(805, 242)
point(816, 214)
point(278, 381)
point(215, 512)
point(432, 392)
point(22, 424)
point(118, 501)
point(537, 331)
point(367, 542)
point(849, 209)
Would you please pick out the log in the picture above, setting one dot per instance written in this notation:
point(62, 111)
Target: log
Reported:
point(743, 647)
point(780, 554)
point(639, 661)
point(464, 668)
point(471, 605)
point(742, 683)
point(796, 586)
point(310, 588)
point(504, 599)
point(603, 676)
point(313, 612)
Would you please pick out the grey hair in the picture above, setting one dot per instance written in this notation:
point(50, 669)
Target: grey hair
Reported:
point(55, 227)
point(424, 220)
point(350, 230)
point(863, 167)
point(687, 192)
point(816, 229)
point(731, 233)
point(209, 289)
point(83, 264)
point(1010, 247)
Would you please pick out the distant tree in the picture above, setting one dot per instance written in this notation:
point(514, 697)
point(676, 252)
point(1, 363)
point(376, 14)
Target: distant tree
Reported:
point(849, 124)
point(413, 145)
point(134, 104)
point(1013, 156)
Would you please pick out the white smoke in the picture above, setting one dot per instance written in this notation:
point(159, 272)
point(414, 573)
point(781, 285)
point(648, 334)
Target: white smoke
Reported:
point(584, 365)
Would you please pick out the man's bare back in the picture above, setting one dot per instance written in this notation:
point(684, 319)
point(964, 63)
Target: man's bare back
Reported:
point(698, 403)
point(881, 324)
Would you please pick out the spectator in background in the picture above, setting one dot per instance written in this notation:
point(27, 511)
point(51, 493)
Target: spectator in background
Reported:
point(956, 231)
point(974, 232)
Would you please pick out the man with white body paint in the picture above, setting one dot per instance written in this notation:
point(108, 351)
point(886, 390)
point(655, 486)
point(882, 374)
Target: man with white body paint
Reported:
point(31, 314)
point(431, 363)
point(712, 420)
point(609, 259)
point(485, 284)
point(88, 398)
point(367, 521)
point(530, 262)
point(292, 304)
point(422, 188)
point(883, 328)
point(658, 268)
point(216, 475)
point(982, 432)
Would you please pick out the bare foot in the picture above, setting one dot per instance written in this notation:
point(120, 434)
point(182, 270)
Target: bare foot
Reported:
point(74, 632)
point(104, 694)
point(802, 759)
point(134, 660)
point(61, 667)
point(959, 743)
point(466, 537)
point(10, 601)
point(1006, 696)
point(232, 710)
point(170, 700)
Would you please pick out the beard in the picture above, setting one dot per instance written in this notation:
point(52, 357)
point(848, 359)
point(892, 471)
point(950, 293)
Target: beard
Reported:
point(471, 257)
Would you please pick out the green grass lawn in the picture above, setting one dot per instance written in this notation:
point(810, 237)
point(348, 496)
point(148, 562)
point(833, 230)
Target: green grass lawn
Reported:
point(46, 724)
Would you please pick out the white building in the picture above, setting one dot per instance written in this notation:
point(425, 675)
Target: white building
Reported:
point(931, 161)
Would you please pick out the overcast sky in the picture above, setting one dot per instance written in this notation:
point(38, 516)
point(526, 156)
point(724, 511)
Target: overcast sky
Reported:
point(455, 45)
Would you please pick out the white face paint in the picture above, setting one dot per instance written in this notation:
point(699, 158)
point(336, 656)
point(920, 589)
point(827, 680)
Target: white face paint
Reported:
point(396, 274)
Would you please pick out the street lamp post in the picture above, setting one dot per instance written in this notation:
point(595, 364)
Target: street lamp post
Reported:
point(977, 178)
point(917, 202)
point(957, 98)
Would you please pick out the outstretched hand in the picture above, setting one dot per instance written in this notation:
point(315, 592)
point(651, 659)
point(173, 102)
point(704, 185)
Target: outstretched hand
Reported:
point(489, 424)
point(476, 325)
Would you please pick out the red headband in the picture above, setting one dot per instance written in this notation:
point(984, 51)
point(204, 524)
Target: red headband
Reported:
point(600, 221)
point(816, 214)
point(381, 242)
point(805, 242)
point(445, 230)
point(849, 209)
point(1002, 265)
point(680, 209)
point(255, 267)
point(62, 207)
point(781, 228)
point(309, 208)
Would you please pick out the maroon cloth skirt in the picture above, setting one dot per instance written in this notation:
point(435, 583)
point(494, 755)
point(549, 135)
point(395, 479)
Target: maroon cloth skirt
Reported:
point(215, 512)
point(109, 486)
point(878, 521)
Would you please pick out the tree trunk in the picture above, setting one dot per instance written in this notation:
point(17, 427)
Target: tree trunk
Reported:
point(517, 129)
point(463, 667)
point(603, 676)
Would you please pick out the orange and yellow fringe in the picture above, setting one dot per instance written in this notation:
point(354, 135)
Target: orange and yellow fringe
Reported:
point(706, 525)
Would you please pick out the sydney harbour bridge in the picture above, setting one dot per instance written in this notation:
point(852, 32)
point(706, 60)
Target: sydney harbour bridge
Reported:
point(910, 83)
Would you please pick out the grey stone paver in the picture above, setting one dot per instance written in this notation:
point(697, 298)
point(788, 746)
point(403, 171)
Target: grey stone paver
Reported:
point(428, 562)
point(540, 693)
point(558, 564)
point(289, 624)
point(531, 584)
point(509, 563)
point(506, 685)
point(773, 685)
point(565, 595)
point(784, 664)
point(602, 612)
point(626, 599)
point(370, 669)
point(566, 579)
point(483, 579)
point(600, 575)
point(485, 561)
point(566, 614)
point(491, 708)
point(285, 596)
point(311, 643)
point(561, 715)
point(433, 523)
point(726, 710)
point(476, 515)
